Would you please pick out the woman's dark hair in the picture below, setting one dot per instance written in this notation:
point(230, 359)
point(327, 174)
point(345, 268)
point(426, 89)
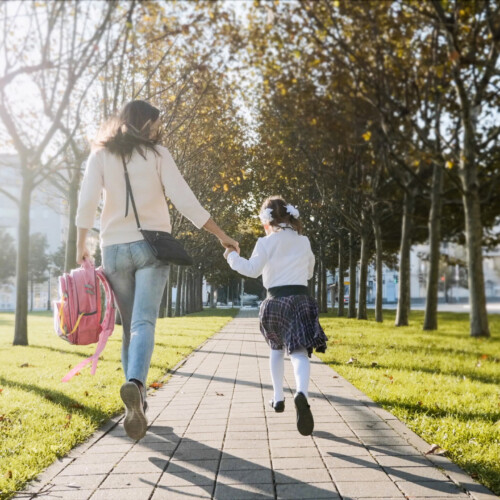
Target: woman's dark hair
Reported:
point(278, 206)
point(130, 129)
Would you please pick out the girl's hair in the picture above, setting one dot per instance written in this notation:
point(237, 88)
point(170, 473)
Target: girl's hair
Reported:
point(278, 206)
point(129, 130)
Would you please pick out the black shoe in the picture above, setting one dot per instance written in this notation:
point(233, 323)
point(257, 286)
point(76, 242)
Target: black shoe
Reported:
point(305, 421)
point(279, 406)
point(135, 422)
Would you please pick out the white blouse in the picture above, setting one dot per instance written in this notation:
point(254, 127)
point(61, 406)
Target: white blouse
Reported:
point(283, 258)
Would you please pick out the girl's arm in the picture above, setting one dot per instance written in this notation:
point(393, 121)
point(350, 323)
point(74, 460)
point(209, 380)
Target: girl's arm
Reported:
point(252, 267)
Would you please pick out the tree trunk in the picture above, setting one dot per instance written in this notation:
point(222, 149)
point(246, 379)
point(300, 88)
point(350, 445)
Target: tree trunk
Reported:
point(434, 224)
point(22, 263)
point(403, 311)
point(340, 291)
point(169, 290)
point(474, 236)
point(213, 291)
point(324, 290)
point(178, 299)
point(378, 265)
point(162, 312)
point(320, 283)
point(363, 273)
point(183, 292)
point(353, 262)
point(70, 256)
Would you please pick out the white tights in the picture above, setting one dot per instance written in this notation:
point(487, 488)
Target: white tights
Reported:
point(301, 370)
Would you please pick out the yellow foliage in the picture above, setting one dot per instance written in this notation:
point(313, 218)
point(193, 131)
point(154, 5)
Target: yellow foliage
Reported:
point(449, 165)
point(367, 135)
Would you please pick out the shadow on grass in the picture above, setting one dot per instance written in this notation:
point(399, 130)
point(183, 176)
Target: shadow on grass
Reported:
point(59, 398)
point(471, 375)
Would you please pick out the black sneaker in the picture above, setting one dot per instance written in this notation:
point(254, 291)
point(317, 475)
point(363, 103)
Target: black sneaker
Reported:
point(305, 421)
point(279, 406)
point(135, 422)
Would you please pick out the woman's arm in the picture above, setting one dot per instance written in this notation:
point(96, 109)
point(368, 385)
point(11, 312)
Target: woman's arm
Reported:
point(82, 251)
point(224, 239)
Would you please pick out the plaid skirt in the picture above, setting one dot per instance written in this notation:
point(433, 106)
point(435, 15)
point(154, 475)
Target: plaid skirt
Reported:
point(292, 322)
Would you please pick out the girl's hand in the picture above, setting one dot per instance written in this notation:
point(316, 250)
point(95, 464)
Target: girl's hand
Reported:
point(229, 250)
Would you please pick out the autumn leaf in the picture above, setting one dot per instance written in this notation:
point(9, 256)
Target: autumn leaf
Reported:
point(374, 363)
point(156, 385)
point(367, 136)
point(78, 406)
point(25, 365)
point(435, 449)
point(219, 393)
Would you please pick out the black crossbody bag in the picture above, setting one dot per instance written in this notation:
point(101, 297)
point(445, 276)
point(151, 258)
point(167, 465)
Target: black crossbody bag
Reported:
point(163, 245)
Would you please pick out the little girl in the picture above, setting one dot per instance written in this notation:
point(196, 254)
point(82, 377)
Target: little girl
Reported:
point(288, 316)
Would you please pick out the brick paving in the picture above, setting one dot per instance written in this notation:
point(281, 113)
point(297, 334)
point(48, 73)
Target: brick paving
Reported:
point(213, 435)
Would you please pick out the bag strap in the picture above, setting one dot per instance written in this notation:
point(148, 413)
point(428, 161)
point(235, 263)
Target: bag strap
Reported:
point(130, 195)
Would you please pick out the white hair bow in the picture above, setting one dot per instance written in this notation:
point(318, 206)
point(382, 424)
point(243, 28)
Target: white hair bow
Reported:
point(292, 211)
point(265, 216)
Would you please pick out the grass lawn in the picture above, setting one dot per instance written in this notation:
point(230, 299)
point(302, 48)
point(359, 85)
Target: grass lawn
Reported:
point(42, 418)
point(444, 385)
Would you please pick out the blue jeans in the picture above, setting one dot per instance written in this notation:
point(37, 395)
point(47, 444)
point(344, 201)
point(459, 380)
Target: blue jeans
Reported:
point(138, 280)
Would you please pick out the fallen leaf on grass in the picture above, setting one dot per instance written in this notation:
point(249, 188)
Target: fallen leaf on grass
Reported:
point(78, 406)
point(1, 390)
point(68, 418)
point(351, 361)
point(156, 385)
point(86, 393)
point(374, 363)
point(435, 449)
point(25, 365)
point(8, 475)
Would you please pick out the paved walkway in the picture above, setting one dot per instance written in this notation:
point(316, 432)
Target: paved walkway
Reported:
point(212, 435)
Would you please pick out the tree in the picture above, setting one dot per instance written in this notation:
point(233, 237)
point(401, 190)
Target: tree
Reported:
point(7, 257)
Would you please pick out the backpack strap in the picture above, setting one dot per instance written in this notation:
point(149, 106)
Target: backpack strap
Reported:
point(108, 324)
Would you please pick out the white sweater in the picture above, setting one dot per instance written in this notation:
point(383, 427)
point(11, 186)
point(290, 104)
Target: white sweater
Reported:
point(104, 171)
point(283, 258)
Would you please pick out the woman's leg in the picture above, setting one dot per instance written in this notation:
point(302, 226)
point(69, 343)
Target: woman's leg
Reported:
point(120, 272)
point(301, 369)
point(150, 282)
point(277, 365)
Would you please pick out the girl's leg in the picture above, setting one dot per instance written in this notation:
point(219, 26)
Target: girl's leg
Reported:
point(277, 365)
point(301, 370)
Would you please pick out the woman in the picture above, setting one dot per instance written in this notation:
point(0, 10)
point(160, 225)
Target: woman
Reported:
point(136, 276)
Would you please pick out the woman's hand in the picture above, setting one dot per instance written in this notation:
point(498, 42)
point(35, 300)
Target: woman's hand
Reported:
point(224, 239)
point(82, 251)
point(228, 242)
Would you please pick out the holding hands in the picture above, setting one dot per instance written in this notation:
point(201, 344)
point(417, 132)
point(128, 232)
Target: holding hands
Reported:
point(231, 249)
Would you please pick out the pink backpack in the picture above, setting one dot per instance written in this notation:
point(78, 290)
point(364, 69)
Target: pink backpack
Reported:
point(77, 315)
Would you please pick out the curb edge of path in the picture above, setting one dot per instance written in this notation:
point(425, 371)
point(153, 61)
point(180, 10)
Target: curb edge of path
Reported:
point(457, 475)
